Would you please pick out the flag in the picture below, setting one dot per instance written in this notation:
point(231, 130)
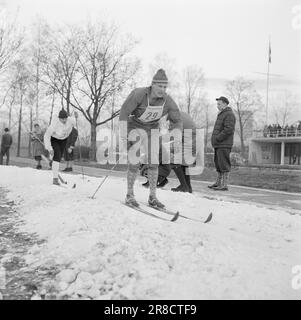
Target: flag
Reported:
point(270, 53)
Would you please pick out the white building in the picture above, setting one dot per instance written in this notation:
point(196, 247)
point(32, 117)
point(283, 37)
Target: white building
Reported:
point(280, 147)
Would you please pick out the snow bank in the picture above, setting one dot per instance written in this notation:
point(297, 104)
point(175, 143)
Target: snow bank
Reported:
point(108, 251)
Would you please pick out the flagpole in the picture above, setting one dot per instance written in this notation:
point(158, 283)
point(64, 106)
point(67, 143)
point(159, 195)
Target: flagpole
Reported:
point(268, 83)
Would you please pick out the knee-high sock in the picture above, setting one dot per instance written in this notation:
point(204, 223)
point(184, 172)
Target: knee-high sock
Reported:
point(131, 177)
point(153, 178)
point(55, 169)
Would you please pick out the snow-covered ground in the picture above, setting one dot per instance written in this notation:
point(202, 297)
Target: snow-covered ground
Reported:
point(108, 251)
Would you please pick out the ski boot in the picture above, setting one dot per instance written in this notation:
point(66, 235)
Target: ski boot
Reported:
point(131, 201)
point(154, 202)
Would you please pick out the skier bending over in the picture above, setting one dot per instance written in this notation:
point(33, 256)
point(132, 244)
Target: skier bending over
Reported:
point(142, 110)
point(55, 140)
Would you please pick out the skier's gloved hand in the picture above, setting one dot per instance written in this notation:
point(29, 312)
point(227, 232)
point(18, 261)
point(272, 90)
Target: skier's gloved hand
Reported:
point(70, 150)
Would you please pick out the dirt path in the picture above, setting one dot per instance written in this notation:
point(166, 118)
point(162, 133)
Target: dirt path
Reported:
point(20, 281)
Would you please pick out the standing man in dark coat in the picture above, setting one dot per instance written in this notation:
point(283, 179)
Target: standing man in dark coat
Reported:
point(222, 142)
point(6, 143)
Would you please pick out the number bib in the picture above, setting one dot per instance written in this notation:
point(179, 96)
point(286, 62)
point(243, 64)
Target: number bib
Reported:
point(152, 113)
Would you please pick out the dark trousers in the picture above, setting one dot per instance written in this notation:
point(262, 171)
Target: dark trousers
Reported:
point(58, 147)
point(4, 151)
point(222, 159)
point(164, 170)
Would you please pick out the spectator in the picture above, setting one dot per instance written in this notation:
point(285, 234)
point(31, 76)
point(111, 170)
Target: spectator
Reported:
point(222, 142)
point(6, 143)
point(37, 138)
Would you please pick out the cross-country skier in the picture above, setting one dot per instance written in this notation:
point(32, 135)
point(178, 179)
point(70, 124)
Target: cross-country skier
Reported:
point(55, 140)
point(142, 110)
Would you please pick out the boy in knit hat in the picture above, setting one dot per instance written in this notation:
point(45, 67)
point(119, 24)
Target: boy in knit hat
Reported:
point(141, 112)
point(55, 140)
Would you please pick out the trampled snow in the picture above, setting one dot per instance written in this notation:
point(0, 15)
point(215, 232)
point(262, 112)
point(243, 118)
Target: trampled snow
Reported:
point(105, 250)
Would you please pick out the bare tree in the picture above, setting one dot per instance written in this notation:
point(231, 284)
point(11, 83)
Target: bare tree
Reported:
point(86, 66)
point(245, 101)
point(104, 69)
point(51, 92)
point(21, 78)
point(285, 106)
point(6, 94)
point(30, 100)
point(10, 103)
point(60, 62)
point(10, 41)
point(36, 52)
point(193, 86)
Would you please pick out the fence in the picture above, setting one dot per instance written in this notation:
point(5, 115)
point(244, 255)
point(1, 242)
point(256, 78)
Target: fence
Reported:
point(276, 133)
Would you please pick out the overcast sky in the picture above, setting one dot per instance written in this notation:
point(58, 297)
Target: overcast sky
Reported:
point(225, 37)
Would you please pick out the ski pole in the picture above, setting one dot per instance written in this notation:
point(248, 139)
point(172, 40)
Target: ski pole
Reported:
point(80, 149)
point(105, 178)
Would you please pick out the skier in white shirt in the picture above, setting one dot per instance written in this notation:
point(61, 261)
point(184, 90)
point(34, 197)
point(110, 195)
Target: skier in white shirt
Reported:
point(55, 140)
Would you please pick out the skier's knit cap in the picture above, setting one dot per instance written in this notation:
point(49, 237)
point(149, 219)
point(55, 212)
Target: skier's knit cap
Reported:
point(160, 77)
point(63, 114)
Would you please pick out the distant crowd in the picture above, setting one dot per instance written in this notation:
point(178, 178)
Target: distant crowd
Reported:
point(275, 130)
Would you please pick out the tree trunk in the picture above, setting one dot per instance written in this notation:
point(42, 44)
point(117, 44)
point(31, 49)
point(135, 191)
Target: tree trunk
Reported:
point(37, 91)
point(29, 137)
point(68, 98)
point(206, 129)
point(9, 116)
point(52, 107)
point(188, 105)
point(93, 142)
point(242, 145)
point(19, 127)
